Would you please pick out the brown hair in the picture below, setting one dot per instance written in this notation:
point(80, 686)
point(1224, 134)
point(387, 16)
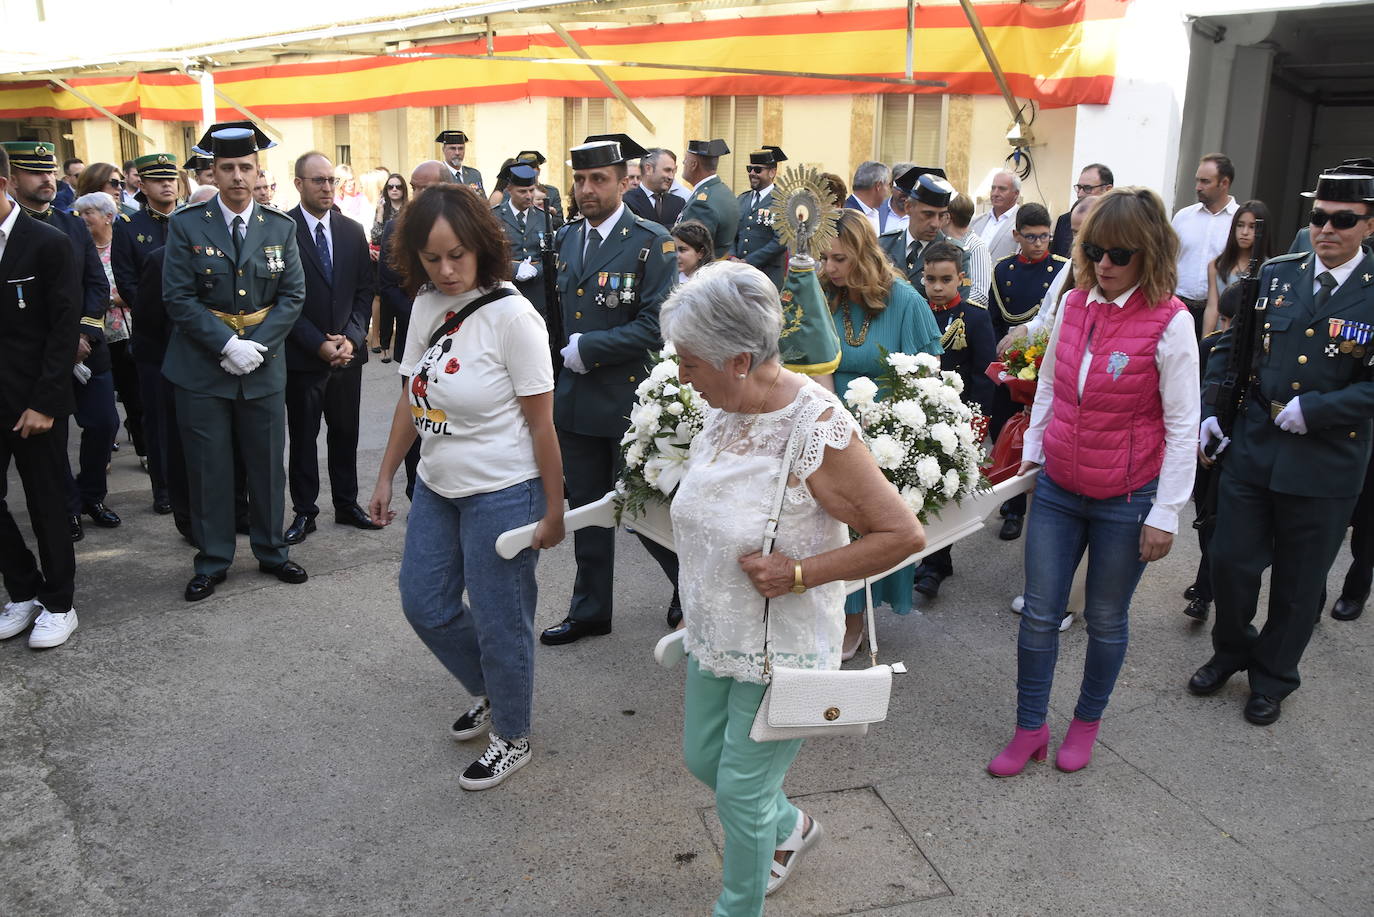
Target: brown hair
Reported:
point(960, 211)
point(95, 177)
point(871, 274)
point(837, 187)
point(695, 235)
point(1132, 218)
point(473, 223)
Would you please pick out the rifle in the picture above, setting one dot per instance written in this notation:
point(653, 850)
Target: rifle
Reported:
point(553, 307)
point(1228, 396)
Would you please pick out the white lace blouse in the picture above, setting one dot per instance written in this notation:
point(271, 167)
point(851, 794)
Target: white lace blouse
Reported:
point(719, 511)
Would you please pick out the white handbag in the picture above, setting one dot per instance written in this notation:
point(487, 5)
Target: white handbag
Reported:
point(802, 703)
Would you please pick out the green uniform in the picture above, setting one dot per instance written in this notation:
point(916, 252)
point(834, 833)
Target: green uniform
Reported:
point(896, 243)
point(756, 243)
point(263, 290)
point(714, 205)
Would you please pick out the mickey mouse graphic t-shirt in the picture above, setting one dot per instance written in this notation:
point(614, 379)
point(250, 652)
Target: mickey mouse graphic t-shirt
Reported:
point(463, 391)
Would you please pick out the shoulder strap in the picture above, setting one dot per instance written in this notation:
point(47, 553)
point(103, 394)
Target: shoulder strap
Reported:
point(452, 324)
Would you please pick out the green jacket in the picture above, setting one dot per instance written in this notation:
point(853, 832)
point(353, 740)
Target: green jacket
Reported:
point(756, 243)
point(1326, 364)
point(713, 204)
point(200, 274)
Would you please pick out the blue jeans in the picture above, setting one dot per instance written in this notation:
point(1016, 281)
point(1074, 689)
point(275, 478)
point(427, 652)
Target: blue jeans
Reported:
point(1060, 527)
point(487, 642)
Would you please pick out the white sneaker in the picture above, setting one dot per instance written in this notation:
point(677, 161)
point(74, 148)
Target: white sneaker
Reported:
point(473, 723)
point(1066, 623)
point(52, 629)
point(499, 761)
point(17, 617)
point(1017, 604)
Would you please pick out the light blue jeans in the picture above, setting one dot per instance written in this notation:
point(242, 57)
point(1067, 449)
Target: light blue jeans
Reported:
point(1061, 525)
point(487, 642)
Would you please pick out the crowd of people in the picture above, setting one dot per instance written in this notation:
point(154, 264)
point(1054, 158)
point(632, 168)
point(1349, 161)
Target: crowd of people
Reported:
point(230, 330)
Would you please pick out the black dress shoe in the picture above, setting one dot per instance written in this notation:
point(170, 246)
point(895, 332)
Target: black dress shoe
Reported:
point(288, 572)
point(1197, 609)
point(77, 532)
point(1011, 528)
point(354, 515)
point(101, 515)
point(675, 611)
point(570, 631)
point(1261, 709)
point(376, 350)
point(1347, 609)
point(928, 584)
point(1209, 679)
point(243, 526)
point(299, 528)
point(202, 585)
point(162, 507)
point(1191, 592)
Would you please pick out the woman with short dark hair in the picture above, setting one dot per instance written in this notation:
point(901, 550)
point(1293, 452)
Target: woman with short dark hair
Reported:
point(479, 394)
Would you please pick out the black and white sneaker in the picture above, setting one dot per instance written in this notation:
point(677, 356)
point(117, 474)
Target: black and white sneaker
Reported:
point(499, 761)
point(473, 723)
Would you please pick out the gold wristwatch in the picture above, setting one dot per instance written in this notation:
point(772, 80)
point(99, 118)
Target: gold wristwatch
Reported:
point(798, 586)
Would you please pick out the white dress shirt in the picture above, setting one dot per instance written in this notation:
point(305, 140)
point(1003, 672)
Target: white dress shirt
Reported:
point(993, 223)
point(1341, 273)
point(1049, 304)
point(870, 212)
point(7, 227)
point(1201, 235)
point(311, 221)
point(680, 189)
point(229, 216)
point(1177, 362)
point(603, 230)
point(762, 193)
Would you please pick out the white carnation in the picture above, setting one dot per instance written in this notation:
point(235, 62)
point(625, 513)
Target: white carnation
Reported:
point(928, 361)
point(887, 451)
point(668, 349)
point(648, 415)
point(903, 362)
point(928, 471)
point(953, 380)
point(634, 455)
point(914, 498)
point(951, 482)
point(943, 434)
point(664, 371)
point(861, 392)
point(643, 388)
point(675, 408)
point(909, 413)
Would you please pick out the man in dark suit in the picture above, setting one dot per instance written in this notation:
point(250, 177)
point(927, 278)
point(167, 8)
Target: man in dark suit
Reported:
point(66, 186)
point(756, 243)
point(40, 308)
point(325, 351)
point(654, 198)
point(523, 224)
point(454, 145)
point(1095, 179)
point(711, 203)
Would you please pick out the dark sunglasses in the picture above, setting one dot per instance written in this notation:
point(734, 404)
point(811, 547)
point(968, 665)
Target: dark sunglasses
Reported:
point(1120, 256)
point(754, 169)
point(116, 183)
point(395, 187)
point(1341, 219)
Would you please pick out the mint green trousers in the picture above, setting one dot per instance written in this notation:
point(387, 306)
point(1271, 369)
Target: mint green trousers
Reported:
point(747, 779)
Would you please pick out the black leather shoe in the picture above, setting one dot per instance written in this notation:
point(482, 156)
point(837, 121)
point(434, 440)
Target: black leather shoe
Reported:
point(78, 533)
point(1011, 528)
point(1209, 679)
point(928, 584)
point(1262, 709)
point(354, 515)
point(1191, 592)
point(243, 526)
point(1197, 609)
point(675, 611)
point(299, 528)
point(570, 631)
point(287, 571)
point(1347, 609)
point(202, 585)
point(162, 507)
point(101, 515)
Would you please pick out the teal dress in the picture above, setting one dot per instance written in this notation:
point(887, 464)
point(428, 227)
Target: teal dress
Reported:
point(905, 326)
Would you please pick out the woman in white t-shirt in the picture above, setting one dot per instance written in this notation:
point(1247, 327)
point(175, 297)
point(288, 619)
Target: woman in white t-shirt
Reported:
point(479, 394)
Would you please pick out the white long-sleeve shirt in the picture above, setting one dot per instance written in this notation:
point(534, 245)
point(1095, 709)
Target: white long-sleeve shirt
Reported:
point(1176, 360)
point(1202, 235)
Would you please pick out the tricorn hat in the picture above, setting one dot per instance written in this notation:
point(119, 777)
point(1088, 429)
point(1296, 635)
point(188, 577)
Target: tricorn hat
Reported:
point(197, 163)
point(1351, 182)
point(927, 184)
point(229, 139)
point(628, 148)
point(533, 157)
point(520, 174)
point(714, 148)
point(767, 156)
point(451, 137)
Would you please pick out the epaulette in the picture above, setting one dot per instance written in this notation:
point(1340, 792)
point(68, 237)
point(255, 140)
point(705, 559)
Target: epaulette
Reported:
point(1290, 256)
point(124, 217)
point(1059, 258)
point(272, 208)
point(892, 232)
point(976, 305)
point(1006, 258)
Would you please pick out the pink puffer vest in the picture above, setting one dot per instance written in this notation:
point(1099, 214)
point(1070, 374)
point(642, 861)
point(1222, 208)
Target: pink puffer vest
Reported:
point(1109, 441)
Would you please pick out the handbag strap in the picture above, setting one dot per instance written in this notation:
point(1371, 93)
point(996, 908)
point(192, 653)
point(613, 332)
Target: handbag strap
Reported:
point(452, 324)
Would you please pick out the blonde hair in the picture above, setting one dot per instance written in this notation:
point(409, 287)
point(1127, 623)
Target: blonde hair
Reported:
point(1132, 218)
point(871, 274)
point(370, 184)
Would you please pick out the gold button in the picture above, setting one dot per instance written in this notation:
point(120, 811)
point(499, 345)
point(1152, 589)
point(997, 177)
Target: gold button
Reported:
point(243, 293)
point(579, 291)
point(240, 273)
point(207, 270)
point(577, 315)
point(632, 379)
point(1310, 332)
point(1296, 386)
point(1266, 326)
point(1302, 359)
point(832, 713)
point(1352, 434)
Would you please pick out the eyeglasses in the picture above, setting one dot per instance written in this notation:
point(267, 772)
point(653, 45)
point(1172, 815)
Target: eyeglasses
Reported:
point(1341, 219)
point(1088, 189)
point(1037, 236)
point(756, 170)
point(116, 183)
point(322, 182)
point(1120, 256)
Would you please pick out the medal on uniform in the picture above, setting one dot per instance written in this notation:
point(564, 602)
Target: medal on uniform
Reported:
point(276, 261)
point(19, 288)
point(1266, 344)
point(611, 300)
point(601, 280)
point(627, 294)
point(1279, 303)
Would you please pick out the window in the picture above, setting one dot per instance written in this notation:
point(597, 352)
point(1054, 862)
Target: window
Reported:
point(189, 135)
point(735, 119)
point(910, 127)
point(581, 119)
point(343, 150)
point(129, 143)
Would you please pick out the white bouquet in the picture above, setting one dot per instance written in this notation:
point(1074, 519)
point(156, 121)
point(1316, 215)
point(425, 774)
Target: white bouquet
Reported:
point(654, 449)
point(923, 436)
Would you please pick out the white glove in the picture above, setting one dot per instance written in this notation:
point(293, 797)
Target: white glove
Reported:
point(244, 355)
point(524, 270)
point(229, 367)
point(82, 373)
point(1290, 419)
point(571, 358)
point(1209, 431)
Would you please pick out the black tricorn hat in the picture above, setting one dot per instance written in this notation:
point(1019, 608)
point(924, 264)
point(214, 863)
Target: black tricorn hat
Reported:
point(927, 184)
point(533, 157)
point(229, 139)
point(767, 156)
point(596, 154)
point(197, 163)
point(451, 137)
point(715, 147)
point(1350, 182)
point(628, 148)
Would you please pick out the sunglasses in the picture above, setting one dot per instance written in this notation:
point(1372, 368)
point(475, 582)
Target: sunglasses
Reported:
point(1037, 237)
point(395, 187)
point(1341, 219)
point(756, 170)
point(116, 183)
point(1120, 256)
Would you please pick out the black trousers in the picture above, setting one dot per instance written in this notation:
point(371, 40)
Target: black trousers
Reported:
point(1298, 538)
point(40, 461)
point(155, 411)
point(334, 396)
point(590, 466)
point(1202, 582)
point(99, 423)
point(1196, 308)
point(1361, 573)
point(126, 384)
point(389, 317)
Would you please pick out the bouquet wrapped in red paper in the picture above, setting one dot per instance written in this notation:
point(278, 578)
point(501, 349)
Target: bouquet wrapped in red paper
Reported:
point(1020, 373)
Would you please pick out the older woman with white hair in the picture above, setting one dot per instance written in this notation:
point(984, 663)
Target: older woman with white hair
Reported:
point(99, 211)
point(725, 326)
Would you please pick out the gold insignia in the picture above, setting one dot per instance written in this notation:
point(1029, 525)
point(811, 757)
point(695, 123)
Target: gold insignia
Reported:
point(669, 248)
point(161, 160)
point(701, 196)
point(41, 150)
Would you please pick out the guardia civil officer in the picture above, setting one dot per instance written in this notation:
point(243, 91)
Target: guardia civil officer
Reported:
point(928, 195)
point(614, 271)
point(200, 170)
point(553, 202)
point(454, 147)
point(524, 223)
point(711, 202)
point(233, 288)
point(1296, 458)
point(756, 243)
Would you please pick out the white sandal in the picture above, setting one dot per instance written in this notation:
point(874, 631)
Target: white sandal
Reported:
point(797, 843)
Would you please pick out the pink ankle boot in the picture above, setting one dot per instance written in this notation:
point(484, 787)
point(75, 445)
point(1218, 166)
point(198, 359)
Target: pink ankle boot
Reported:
point(1077, 748)
point(1026, 744)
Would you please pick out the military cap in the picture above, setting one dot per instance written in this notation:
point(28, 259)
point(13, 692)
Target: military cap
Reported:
point(156, 165)
point(927, 184)
point(596, 155)
point(197, 163)
point(767, 156)
point(520, 174)
point(712, 148)
point(31, 155)
point(230, 139)
point(451, 137)
point(533, 157)
point(628, 148)
point(1350, 182)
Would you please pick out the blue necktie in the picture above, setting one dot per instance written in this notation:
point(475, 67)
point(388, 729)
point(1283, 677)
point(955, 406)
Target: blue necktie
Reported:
point(322, 246)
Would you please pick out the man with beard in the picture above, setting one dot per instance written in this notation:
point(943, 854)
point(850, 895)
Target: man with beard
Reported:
point(756, 243)
point(454, 145)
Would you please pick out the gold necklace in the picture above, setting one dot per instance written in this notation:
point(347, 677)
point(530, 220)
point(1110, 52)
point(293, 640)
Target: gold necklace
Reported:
point(849, 336)
point(748, 426)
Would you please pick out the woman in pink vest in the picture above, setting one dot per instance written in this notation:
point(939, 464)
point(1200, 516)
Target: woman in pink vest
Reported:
point(1114, 425)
